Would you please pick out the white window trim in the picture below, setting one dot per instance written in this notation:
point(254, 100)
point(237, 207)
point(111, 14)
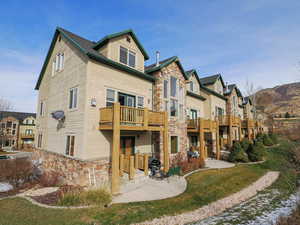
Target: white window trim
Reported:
point(127, 63)
point(77, 99)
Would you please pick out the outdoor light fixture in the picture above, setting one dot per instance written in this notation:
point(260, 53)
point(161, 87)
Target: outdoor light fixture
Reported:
point(93, 102)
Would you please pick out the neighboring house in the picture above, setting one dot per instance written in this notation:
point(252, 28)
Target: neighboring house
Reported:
point(102, 112)
point(17, 129)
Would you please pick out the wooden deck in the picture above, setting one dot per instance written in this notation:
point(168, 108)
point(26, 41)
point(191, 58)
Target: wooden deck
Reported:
point(229, 120)
point(132, 119)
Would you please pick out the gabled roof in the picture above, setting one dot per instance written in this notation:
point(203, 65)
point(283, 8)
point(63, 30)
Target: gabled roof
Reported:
point(105, 39)
point(246, 100)
point(152, 68)
point(208, 90)
point(189, 73)
point(18, 115)
point(212, 80)
point(231, 87)
point(86, 47)
point(192, 94)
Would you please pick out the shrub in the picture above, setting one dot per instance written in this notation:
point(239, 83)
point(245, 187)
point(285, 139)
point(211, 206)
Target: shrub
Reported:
point(99, 197)
point(245, 144)
point(274, 138)
point(237, 154)
point(267, 140)
point(185, 165)
point(50, 179)
point(256, 152)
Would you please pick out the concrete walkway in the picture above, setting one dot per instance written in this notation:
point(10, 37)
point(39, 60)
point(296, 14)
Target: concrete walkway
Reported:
point(160, 189)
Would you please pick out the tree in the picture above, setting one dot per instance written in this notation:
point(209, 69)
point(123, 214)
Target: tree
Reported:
point(5, 105)
point(251, 92)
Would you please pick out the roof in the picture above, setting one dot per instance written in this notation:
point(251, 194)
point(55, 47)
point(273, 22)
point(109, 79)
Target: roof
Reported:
point(86, 47)
point(152, 68)
point(189, 73)
point(192, 94)
point(18, 115)
point(246, 100)
point(213, 92)
point(212, 79)
point(105, 39)
point(231, 87)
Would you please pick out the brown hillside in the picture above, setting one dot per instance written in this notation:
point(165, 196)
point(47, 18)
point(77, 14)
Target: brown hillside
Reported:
point(280, 99)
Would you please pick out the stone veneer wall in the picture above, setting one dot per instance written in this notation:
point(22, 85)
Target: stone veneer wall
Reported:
point(74, 171)
point(177, 127)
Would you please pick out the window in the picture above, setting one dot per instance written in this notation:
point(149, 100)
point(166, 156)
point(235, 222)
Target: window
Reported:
point(194, 140)
point(166, 88)
point(191, 86)
point(3, 125)
point(174, 107)
point(173, 86)
point(181, 111)
point(131, 59)
point(27, 122)
point(14, 126)
point(140, 102)
point(73, 98)
point(127, 57)
point(42, 108)
point(13, 132)
point(70, 145)
point(174, 144)
point(166, 106)
point(110, 97)
point(8, 124)
point(40, 137)
point(58, 63)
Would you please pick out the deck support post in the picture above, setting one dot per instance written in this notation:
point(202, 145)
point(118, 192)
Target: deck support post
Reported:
point(240, 130)
point(201, 138)
point(166, 143)
point(115, 168)
point(146, 157)
point(218, 150)
point(121, 165)
point(230, 131)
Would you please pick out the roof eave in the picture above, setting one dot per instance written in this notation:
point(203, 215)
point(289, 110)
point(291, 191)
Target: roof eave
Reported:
point(189, 93)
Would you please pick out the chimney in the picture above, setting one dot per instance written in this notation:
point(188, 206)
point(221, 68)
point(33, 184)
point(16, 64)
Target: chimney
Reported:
point(157, 58)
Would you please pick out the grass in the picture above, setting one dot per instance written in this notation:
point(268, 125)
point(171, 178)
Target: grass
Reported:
point(203, 187)
point(6, 153)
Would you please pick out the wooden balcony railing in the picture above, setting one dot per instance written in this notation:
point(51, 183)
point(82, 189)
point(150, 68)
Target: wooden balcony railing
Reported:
point(27, 136)
point(128, 164)
point(226, 120)
point(195, 124)
point(248, 123)
point(132, 117)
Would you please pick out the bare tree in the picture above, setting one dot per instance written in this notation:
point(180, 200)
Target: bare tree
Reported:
point(5, 105)
point(251, 92)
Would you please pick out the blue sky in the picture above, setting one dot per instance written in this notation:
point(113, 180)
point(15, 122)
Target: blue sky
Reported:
point(255, 40)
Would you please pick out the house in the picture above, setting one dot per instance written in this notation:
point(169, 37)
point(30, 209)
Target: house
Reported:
point(102, 112)
point(17, 129)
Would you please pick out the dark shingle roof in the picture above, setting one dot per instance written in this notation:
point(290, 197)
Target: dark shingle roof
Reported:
point(18, 115)
point(104, 40)
point(87, 48)
point(152, 68)
point(231, 87)
point(246, 100)
point(196, 95)
point(211, 80)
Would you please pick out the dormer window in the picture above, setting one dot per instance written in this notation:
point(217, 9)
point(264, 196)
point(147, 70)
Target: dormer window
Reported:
point(127, 57)
point(192, 86)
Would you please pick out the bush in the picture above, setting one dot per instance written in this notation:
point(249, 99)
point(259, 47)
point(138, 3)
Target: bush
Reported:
point(185, 165)
point(267, 140)
point(98, 197)
point(237, 154)
point(256, 152)
point(274, 138)
point(245, 144)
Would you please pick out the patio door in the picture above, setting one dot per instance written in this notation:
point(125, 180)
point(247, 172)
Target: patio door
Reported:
point(193, 114)
point(126, 100)
point(127, 144)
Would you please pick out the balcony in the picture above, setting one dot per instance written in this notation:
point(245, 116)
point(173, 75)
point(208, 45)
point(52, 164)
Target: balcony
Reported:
point(248, 123)
point(131, 118)
point(194, 125)
point(228, 119)
point(27, 136)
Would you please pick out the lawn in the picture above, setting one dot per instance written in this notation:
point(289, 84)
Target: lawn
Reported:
point(203, 188)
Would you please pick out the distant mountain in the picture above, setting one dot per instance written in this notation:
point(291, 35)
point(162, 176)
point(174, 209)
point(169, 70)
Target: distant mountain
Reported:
point(280, 99)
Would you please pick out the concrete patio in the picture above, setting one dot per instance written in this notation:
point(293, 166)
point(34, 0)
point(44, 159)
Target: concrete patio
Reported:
point(151, 189)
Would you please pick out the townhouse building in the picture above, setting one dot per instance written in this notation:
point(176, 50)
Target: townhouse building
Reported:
point(102, 113)
point(17, 130)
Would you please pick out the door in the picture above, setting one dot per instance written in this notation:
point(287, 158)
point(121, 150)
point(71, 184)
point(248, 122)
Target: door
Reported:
point(127, 146)
point(193, 114)
point(126, 100)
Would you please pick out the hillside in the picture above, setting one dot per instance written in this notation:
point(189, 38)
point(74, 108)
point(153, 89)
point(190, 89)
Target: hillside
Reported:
point(280, 99)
